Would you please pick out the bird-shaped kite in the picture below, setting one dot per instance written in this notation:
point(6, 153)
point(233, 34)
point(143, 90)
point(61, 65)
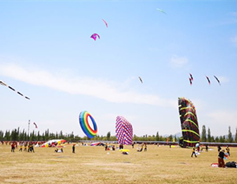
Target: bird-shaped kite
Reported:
point(105, 23)
point(95, 36)
point(35, 125)
point(140, 79)
point(208, 80)
point(217, 80)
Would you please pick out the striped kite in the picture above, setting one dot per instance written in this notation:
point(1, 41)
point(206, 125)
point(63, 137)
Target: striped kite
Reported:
point(189, 123)
point(4, 84)
point(124, 131)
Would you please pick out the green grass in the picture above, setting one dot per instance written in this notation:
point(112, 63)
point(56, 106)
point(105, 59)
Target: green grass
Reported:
point(93, 165)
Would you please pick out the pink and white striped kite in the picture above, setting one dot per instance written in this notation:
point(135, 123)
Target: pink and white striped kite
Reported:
point(124, 131)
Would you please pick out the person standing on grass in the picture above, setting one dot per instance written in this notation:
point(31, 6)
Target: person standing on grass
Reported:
point(73, 148)
point(221, 162)
point(145, 147)
point(13, 147)
point(228, 150)
point(193, 152)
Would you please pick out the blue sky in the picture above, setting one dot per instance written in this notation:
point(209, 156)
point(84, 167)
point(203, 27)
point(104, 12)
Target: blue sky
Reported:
point(47, 54)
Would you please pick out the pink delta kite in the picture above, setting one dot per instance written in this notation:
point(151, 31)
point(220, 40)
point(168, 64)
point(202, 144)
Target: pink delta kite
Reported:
point(105, 23)
point(95, 36)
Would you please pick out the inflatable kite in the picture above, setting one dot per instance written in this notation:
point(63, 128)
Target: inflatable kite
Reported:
point(4, 84)
point(189, 124)
point(85, 126)
point(124, 131)
point(95, 36)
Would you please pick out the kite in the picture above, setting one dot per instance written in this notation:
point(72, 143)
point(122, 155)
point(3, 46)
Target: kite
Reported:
point(35, 125)
point(217, 80)
point(208, 80)
point(105, 23)
point(4, 84)
point(95, 36)
point(140, 79)
point(191, 76)
point(160, 10)
point(191, 81)
point(189, 124)
point(124, 131)
point(83, 120)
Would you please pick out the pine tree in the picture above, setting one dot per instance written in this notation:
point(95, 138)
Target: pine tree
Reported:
point(204, 137)
point(236, 135)
point(157, 136)
point(209, 135)
point(230, 138)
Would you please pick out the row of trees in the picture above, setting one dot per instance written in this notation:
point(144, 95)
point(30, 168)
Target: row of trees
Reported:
point(207, 137)
point(17, 135)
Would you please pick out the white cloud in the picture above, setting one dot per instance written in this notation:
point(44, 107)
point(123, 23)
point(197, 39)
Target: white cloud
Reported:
point(223, 79)
point(98, 88)
point(228, 118)
point(178, 61)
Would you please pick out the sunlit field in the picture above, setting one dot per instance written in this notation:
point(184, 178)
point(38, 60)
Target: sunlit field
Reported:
point(94, 165)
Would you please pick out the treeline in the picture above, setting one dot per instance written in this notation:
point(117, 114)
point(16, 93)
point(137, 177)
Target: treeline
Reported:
point(18, 135)
point(207, 137)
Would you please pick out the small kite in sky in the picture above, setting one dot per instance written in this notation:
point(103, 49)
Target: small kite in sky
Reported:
point(191, 76)
point(95, 36)
point(105, 23)
point(217, 80)
point(208, 80)
point(140, 79)
point(35, 125)
point(162, 11)
point(191, 81)
point(4, 84)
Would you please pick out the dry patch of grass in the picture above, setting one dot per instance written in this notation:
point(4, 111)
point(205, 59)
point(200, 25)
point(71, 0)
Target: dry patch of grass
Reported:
point(94, 165)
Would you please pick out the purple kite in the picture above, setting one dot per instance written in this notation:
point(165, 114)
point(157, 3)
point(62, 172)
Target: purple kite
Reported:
point(94, 36)
point(105, 23)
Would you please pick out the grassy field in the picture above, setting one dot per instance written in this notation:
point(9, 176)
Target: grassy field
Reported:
point(94, 165)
